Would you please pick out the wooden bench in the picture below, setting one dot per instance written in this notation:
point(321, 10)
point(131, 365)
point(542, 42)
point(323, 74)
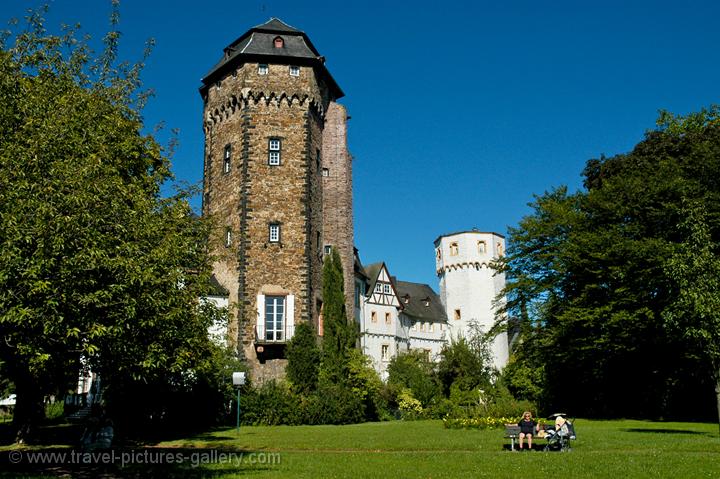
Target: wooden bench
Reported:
point(512, 431)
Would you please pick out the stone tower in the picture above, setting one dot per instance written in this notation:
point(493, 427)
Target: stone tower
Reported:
point(273, 138)
point(468, 286)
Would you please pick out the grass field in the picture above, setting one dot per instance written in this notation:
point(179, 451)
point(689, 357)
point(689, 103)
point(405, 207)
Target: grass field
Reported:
point(422, 449)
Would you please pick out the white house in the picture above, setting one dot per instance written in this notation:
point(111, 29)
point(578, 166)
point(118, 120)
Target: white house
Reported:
point(396, 316)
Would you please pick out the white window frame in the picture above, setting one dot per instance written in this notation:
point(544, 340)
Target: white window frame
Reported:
point(263, 69)
point(274, 232)
point(387, 289)
point(294, 71)
point(274, 151)
point(378, 288)
point(228, 237)
point(227, 155)
point(274, 318)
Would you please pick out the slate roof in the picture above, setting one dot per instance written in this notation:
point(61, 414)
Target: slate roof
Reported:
point(257, 45)
point(373, 271)
point(358, 267)
point(417, 294)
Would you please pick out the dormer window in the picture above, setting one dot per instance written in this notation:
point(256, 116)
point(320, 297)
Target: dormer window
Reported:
point(279, 42)
point(262, 69)
point(426, 302)
point(406, 299)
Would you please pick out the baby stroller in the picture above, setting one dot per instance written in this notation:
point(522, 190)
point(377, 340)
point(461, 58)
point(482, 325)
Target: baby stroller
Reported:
point(559, 436)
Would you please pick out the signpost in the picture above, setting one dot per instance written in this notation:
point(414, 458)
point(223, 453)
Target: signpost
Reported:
point(238, 380)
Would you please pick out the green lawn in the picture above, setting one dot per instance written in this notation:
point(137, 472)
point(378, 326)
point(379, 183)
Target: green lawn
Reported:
point(424, 449)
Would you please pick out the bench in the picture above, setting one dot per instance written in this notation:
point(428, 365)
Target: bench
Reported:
point(512, 431)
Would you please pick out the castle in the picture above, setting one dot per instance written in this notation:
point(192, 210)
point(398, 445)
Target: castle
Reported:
point(278, 186)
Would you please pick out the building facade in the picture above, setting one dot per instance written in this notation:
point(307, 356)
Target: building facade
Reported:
point(396, 316)
point(274, 141)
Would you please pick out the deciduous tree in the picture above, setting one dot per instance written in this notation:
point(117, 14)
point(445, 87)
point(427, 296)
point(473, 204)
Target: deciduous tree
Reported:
point(94, 263)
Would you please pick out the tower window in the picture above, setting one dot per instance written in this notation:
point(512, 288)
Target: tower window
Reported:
point(328, 249)
point(457, 315)
point(274, 318)
point(294, 71)
point(227, 154)
point(262, 69)
point(453, 249)
point(274, 233)
point(499, 249)
point(438, 254)
point(388, 318)
point(228, 237)
point(384, 352)
point(373, 316)
point(482, 247)
point(317, 159)
point(274, 149)
point(325, 172)
point(278, 42)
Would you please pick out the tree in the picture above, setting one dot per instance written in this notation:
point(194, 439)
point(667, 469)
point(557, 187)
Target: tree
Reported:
point(303, 356)
point(695, 312)
point(94, 263)
point(589, 280)
point(339, 333)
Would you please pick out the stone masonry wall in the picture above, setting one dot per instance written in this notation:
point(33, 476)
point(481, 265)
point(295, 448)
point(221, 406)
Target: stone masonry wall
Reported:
point(337, 195)
point(245, 110)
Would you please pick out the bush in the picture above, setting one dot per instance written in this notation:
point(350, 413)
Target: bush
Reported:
point(270, 404)
point(412, 370)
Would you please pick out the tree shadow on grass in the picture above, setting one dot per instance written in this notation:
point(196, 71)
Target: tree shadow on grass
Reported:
point(135, 463)
point(666, 431)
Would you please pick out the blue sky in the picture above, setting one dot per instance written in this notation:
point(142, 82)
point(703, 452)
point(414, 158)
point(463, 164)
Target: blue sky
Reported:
point(460, 111)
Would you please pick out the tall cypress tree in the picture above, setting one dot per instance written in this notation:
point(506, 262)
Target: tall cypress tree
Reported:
point(339, 332)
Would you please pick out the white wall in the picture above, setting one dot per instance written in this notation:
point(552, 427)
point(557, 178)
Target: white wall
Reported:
point(468, 284)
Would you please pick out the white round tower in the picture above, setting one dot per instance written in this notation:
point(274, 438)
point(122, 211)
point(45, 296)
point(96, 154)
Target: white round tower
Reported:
point(468, 285)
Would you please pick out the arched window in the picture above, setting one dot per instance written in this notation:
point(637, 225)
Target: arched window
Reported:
point(453, 249)
point(499, 249)
point(482, 247)
point(278, 42)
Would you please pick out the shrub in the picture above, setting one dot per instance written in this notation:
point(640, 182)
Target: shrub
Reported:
point(410, 408)
point(270, 404)
point(303, 356)
point(412, 370)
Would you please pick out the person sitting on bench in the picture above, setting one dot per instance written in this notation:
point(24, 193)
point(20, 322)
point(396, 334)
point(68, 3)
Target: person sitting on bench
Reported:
point(527, 428)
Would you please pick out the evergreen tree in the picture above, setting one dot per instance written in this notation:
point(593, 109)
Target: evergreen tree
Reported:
point(339, 332)
point(303, 356)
